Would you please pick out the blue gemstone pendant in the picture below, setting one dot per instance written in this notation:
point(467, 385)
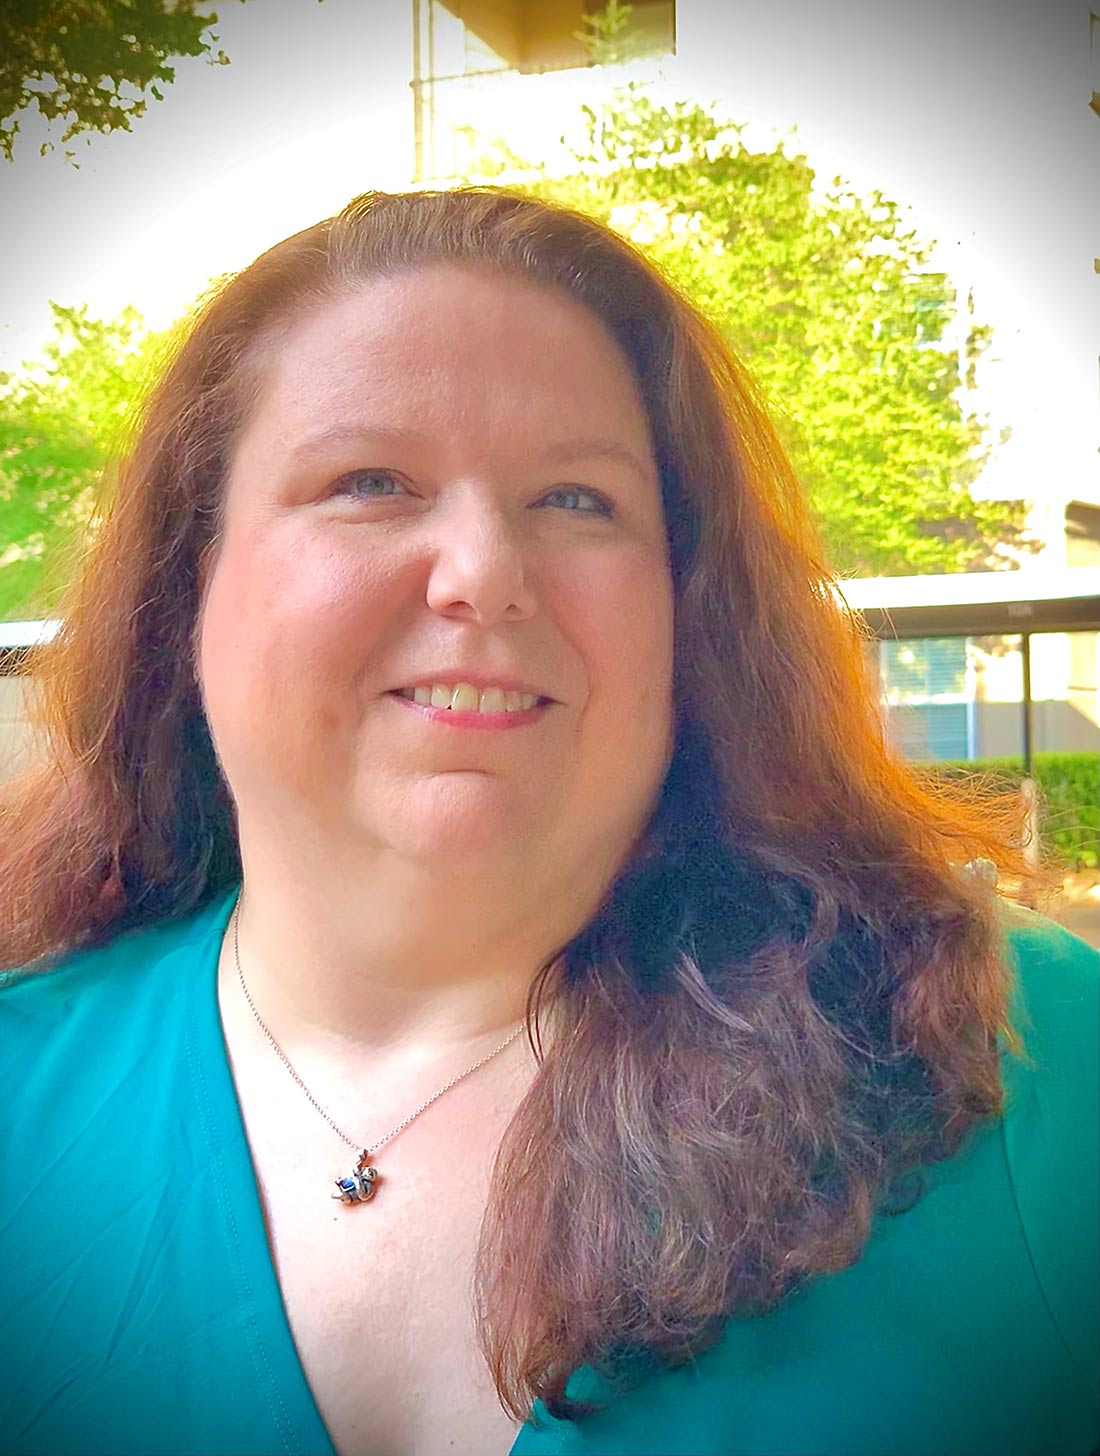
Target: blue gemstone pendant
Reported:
point(359, 1186)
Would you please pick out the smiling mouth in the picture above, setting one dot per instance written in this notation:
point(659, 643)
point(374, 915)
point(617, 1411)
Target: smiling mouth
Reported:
point(473, 719)
point(464, 698)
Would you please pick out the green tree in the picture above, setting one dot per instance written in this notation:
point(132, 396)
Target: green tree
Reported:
point(60, 420)
point(830, 301)
point(94, 62)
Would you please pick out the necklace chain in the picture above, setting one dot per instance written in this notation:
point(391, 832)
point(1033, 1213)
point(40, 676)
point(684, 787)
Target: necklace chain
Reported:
point(372, 1147)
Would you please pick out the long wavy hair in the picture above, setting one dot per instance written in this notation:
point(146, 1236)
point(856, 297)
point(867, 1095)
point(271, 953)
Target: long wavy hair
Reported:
point(790, 999)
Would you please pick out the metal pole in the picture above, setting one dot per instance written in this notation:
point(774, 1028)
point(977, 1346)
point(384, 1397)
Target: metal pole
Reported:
point(417, 84)
point(1025, 655)
point(423, 90)
point(1029, 788)
point(430, 90)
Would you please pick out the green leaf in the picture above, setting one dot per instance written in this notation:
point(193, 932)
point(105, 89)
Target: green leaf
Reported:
point(88, 64)
point(62, 418)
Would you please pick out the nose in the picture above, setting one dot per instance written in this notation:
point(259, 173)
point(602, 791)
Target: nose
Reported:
point(479, 570)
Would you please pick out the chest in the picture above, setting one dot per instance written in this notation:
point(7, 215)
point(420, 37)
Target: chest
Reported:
point(379, 1301)
point(379, 1296)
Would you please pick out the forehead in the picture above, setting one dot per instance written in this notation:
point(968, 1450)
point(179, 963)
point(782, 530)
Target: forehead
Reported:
point(448, 344)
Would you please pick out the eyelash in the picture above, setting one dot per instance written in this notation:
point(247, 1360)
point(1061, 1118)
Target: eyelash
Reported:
point(603, 507)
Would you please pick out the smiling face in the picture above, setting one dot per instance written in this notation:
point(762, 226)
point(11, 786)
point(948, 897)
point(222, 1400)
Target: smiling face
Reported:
point(448, 476)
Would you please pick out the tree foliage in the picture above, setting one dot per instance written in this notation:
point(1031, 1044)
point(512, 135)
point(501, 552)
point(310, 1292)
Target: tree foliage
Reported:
point(828, 298)
point(94, 63)
point(60, 420)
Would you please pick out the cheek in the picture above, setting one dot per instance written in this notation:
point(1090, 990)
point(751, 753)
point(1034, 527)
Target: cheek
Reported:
point(622, 620)
point(619, 616)
point(280, 612)
point(621, 624)
point(289, 586)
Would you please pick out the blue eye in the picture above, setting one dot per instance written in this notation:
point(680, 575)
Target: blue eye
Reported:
point(602, 506)
point(356, 484)
point(348, 484)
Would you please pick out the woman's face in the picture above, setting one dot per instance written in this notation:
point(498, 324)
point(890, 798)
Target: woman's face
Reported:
point(447, 478)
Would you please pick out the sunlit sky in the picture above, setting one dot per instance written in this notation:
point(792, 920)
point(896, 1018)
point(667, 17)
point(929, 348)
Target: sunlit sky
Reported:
point(973, 113)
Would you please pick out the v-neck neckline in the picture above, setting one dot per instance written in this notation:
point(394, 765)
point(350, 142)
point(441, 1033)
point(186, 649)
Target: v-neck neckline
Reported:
point(274, 1350)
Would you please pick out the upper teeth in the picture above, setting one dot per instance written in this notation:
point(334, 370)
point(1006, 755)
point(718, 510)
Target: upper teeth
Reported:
point(463, 698)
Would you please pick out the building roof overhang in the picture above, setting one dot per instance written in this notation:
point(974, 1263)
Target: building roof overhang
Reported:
point(977, 604)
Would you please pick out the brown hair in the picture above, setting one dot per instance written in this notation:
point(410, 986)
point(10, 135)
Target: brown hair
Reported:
point(789, 999)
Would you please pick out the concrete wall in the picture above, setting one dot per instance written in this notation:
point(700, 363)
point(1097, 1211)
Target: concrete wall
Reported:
point(1055, 727)
point(16, 744)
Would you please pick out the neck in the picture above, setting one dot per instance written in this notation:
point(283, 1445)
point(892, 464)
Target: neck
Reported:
point(415, 970)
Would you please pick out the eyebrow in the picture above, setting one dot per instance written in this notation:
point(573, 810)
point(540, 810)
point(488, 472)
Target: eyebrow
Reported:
point(596, 450)
point(557, 454)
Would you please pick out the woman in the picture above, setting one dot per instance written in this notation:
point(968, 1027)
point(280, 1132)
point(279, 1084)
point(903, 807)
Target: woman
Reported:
point(455, 656)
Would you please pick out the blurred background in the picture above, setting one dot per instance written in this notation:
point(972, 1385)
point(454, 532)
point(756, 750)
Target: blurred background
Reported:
point(891, 211)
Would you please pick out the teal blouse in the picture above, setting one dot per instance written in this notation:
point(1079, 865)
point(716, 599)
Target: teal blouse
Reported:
point(140, 1312)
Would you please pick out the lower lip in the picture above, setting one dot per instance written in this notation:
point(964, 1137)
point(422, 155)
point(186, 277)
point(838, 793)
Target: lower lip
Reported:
point(485, 722)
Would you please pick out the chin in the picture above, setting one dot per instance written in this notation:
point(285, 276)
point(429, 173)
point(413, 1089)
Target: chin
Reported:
point(465, 853)
point(458, 823)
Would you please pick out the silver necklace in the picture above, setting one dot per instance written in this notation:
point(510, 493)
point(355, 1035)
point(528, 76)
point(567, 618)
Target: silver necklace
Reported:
point(359, 1186)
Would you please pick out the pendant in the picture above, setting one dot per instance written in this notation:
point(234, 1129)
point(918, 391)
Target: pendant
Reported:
point(358, 1187)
